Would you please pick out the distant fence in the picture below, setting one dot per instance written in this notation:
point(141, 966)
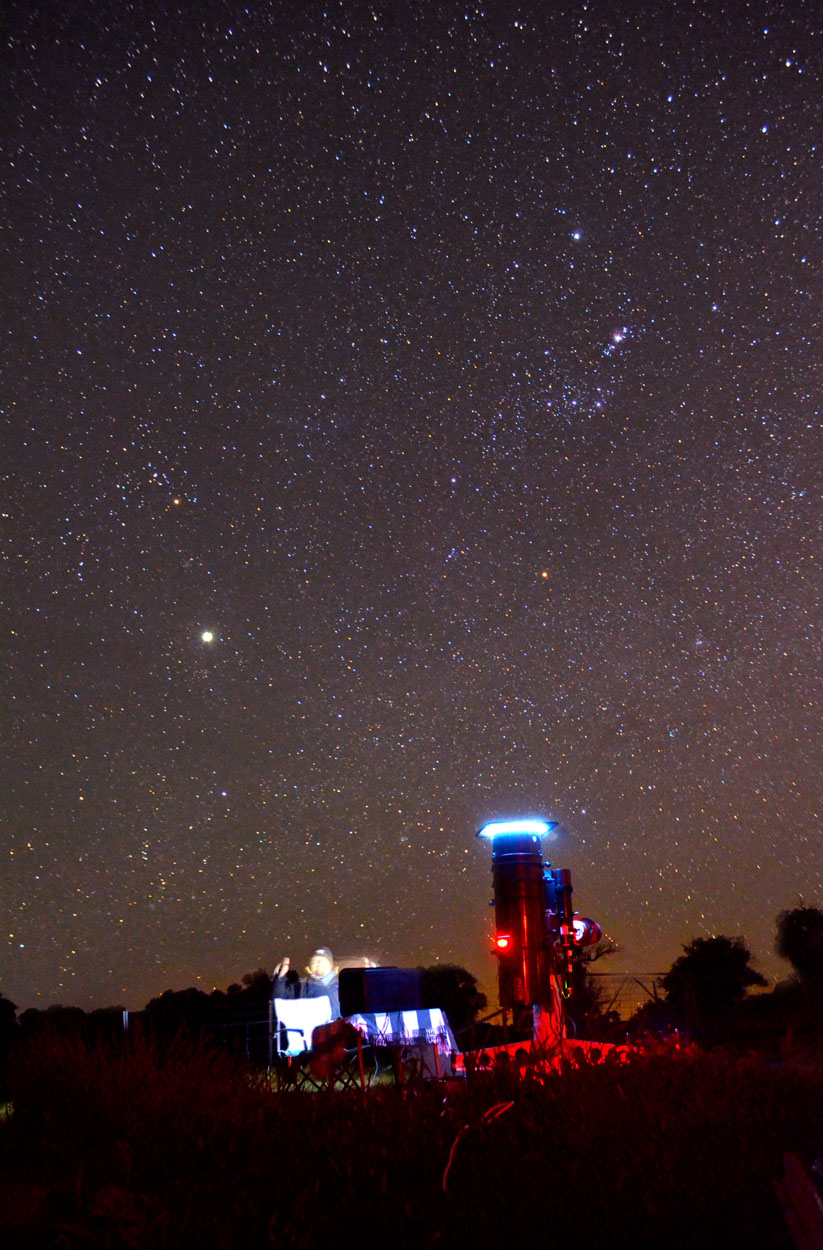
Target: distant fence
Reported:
point(248, 1036)
point(245, 1033)
point(625, 992)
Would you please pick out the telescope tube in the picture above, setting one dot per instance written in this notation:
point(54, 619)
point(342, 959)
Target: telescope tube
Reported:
point(525, 965)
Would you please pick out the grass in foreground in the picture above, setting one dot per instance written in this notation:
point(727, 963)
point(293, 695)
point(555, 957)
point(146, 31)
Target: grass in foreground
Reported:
point(131, 1145)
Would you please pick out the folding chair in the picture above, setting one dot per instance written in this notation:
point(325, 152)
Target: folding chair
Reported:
point(294, 1021)
point(337, 1057)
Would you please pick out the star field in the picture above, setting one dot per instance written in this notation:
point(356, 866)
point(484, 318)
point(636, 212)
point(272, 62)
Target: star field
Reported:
point(411, 417)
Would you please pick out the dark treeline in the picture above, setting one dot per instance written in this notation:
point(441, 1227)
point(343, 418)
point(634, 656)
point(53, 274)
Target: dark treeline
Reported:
point(235, 1019)
point(232, 1016)
point(705, 996)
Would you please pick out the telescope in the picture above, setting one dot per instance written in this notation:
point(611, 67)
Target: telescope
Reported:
point(536, 930)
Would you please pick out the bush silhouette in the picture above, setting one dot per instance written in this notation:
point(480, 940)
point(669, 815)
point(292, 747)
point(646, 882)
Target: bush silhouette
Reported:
point(800, 940)
point(710, 977)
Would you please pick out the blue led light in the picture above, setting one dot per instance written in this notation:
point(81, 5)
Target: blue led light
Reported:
point(497, 828)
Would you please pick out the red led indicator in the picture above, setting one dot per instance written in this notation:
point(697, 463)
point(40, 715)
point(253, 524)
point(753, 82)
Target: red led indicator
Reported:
point(502, 942)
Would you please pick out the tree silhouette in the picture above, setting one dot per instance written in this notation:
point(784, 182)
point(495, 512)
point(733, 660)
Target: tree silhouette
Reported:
point(455, 991)
point(8, 1029)
point(177, 1011)
point(8, 1018)
point(709, 978)
point(800, 940)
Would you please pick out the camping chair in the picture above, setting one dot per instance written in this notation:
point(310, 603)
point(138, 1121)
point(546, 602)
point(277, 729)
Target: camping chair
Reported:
point(294, 1021)
point(337, 1056)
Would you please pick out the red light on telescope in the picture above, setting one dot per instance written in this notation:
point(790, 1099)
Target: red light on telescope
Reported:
point(502, 943)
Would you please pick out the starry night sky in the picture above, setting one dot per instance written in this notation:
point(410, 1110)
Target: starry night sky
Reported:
point(411, 417)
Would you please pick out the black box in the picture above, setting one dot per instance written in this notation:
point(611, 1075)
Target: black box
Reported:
point(379, 989)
